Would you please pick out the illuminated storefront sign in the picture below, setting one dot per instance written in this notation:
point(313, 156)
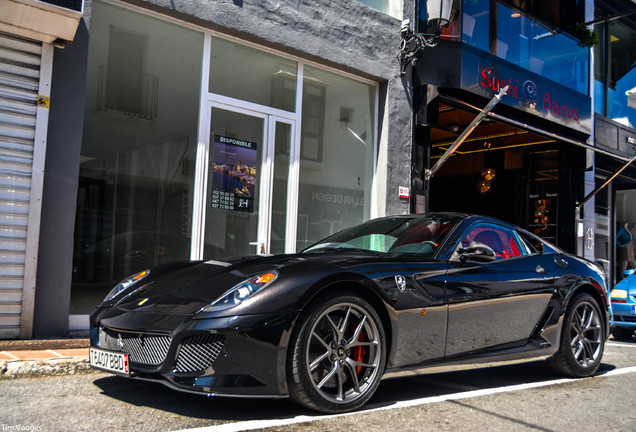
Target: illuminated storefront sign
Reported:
point(543, 215)
point(529, 94)
point(486, 75)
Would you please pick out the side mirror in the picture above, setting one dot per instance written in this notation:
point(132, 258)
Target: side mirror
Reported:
point(629, 272)
point(477, 253)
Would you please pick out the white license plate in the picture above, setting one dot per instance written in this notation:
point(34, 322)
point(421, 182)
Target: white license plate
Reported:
point(109, 361)
point(633, 309)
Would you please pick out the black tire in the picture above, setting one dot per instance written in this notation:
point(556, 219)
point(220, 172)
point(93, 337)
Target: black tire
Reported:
point(336, 354)
point(622, 334)
point(582, 339)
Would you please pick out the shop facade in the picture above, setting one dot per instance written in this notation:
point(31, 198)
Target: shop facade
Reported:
point(192, 131)
point(614, 130)
point(222, 131)
point(533, 160)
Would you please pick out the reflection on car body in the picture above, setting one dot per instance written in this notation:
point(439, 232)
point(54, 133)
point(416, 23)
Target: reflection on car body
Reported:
point(326, 324)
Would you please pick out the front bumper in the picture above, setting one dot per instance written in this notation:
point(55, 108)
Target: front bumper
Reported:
point(623, 315)
point(233, 356)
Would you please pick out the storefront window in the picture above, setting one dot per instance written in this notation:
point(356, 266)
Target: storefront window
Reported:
point(141, 135)
point(391, 7)
point(555, 56)
point(599, 97)
point(476, 24)
point(280, 186)
point(134, 205)
point(614, 74)
point(621, 97)
point(336, 154)
point(253, 75)
point(599, 71)
point(525, 43)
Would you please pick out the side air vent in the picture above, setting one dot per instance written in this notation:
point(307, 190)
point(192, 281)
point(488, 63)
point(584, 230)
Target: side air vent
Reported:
point(199, 352)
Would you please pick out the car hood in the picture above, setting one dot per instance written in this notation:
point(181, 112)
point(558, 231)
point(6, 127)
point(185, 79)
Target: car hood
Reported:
point(186, 290)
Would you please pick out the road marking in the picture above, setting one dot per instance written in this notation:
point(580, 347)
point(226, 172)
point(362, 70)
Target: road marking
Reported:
point(623, 345)
point(260, 424)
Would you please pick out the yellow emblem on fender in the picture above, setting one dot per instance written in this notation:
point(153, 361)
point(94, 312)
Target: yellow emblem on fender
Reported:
point(142, 302)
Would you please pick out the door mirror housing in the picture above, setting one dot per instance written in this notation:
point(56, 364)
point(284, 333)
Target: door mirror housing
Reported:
point(477, 253)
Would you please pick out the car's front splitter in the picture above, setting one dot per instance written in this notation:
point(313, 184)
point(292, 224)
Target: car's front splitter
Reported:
point(232, 356)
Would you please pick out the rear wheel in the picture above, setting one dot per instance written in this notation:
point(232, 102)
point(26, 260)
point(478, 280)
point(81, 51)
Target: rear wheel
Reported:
point(337, 354)
point(621, 333)
point(582, 339)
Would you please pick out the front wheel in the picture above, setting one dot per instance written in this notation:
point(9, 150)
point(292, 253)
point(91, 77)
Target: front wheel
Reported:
point(582, 339)
point(337, 354)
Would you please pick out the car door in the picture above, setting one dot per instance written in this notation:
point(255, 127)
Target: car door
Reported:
point(494, 304)
point(421, 313)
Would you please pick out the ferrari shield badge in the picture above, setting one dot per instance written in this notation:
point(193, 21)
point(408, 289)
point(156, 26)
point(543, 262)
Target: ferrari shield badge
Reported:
point(400, 281)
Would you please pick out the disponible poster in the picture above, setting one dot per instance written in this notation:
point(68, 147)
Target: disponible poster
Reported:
point(543, 216)
point(234, 166)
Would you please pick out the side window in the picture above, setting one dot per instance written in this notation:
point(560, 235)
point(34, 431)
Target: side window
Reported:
point(505, 242)
point(532, 243)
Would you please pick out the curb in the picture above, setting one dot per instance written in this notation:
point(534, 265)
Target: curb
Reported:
point(15, 369)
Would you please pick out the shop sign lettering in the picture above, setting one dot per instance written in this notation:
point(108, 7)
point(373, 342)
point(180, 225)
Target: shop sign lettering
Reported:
point(528, 93)
point(234, 172)
point(337, 198)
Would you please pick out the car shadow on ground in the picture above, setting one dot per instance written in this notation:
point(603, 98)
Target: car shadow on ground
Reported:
point(632, 339)
point(157, 396)
point(453, 383)
point(390, 392)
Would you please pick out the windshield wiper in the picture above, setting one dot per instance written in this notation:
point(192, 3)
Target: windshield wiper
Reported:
point(345, 249)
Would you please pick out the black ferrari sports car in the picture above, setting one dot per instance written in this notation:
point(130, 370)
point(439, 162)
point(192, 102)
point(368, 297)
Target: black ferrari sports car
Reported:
point(325, 325)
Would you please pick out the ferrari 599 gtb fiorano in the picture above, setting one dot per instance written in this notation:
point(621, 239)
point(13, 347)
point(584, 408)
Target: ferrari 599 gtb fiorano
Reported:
point(325, 325)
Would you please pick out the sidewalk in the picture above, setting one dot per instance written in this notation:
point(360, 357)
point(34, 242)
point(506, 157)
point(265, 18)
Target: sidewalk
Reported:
point(34, 358)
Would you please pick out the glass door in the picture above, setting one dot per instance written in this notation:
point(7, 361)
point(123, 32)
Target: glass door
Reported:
point(281, 232)
point(244, 198)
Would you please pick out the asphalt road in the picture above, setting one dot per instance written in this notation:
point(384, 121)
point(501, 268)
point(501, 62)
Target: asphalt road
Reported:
point(523, 397)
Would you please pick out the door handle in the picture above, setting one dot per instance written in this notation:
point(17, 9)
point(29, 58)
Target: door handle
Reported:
point(260, 247)
point(561, 262)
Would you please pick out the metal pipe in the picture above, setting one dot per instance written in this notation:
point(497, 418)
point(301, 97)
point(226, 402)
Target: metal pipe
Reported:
point(469, 129)
point(608, 181)
point(539, 131)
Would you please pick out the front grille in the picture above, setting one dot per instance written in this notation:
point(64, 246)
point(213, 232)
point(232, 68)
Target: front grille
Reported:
point(198, 352)
point(142, 349)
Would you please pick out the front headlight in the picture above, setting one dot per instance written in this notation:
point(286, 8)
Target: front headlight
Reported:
point(619, 294)
point(240, 292)
point(121, 286)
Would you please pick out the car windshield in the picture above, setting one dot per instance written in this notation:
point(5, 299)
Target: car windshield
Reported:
point(393, 235)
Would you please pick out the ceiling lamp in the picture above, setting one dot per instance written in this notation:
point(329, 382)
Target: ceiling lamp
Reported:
point(488, 174)
point(484, 183)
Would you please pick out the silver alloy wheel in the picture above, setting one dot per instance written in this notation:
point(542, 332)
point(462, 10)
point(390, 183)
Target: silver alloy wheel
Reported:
point(586, 335)
point(343, 354)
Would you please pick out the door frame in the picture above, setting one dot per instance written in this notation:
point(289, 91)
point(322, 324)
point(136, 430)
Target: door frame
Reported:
point(270, 117)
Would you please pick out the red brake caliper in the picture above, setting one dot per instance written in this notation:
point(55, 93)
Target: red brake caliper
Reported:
point(358, 354)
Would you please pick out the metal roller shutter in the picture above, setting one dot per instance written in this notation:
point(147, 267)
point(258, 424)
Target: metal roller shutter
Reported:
point(20, 62)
